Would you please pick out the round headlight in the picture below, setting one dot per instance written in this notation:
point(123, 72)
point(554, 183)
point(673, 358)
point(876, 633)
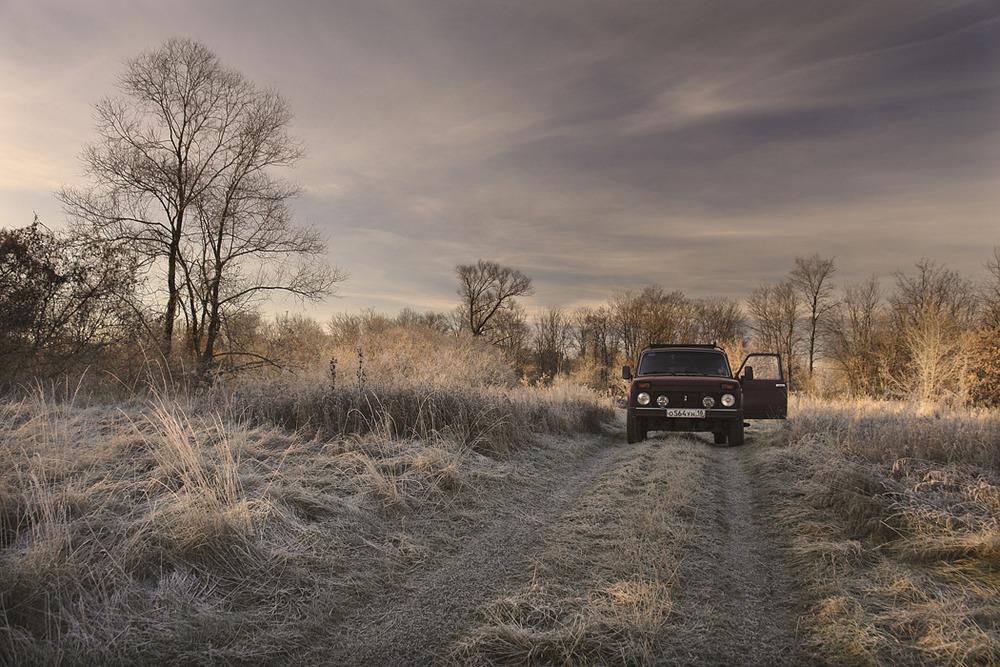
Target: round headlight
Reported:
point(728, 400)
point(708, 402)
point(662, 401)
point(642, 398)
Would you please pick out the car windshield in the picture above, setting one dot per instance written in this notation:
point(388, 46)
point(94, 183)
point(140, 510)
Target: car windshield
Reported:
point(684, 362)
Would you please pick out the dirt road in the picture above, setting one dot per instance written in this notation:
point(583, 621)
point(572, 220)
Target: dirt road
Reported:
point(734, 576)
point(658, 553)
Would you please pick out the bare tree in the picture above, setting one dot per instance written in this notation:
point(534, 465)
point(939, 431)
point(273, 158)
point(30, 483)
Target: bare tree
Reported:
point(510, 332)
point(858, 337)
point(652, 316)
point(628, 318)
point(551, 342)
point(593, 335)
point(775, 312)
point(984, 375)
point(490, 291)
point(933, 310)
point(669, 316)
point(721, 321)
point(181, 170)
point(248, 249)
point(811, 277)
point(990, 294)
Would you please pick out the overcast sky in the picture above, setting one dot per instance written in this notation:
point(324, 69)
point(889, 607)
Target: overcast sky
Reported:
point(596, 146)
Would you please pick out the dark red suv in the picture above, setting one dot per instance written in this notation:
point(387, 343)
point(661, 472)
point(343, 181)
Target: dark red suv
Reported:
point(692, 388)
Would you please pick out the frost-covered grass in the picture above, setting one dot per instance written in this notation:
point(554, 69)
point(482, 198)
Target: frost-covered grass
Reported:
point(603, 586)
point(242, 524)
point(895, 508)
point(239, 525)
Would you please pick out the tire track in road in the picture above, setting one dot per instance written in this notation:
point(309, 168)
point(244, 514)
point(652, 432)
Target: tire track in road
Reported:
point(418, 629)
point(737, 581)
point(756, 598)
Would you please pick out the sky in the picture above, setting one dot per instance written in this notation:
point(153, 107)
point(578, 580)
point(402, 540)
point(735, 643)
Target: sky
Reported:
point(596, 146)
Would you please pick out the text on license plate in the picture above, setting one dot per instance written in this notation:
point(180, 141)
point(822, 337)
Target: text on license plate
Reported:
point(686, 412)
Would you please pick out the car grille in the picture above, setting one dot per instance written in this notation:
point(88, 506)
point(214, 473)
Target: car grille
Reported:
point(684, 399)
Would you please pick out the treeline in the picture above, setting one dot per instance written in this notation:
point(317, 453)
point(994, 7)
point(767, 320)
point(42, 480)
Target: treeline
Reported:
point(928, 334)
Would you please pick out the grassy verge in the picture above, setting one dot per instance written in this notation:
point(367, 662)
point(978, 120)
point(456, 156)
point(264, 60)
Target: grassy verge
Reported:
point(488, 419)
point(896, 511)
point(201, 532)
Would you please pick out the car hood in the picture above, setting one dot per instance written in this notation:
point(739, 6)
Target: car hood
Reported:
point(685, 382)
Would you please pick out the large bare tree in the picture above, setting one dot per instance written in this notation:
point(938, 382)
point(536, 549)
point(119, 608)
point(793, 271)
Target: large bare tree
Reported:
point(774, 311)
point(182, 169)
point(812, 278)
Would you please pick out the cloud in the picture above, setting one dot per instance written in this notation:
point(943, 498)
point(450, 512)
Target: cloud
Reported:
point(697, 144)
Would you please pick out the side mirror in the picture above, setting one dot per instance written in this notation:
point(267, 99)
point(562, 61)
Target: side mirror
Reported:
point(626, 372)
point(747, 373)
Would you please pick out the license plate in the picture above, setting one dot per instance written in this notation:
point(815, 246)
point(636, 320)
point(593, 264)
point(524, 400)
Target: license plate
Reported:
point(686, 412)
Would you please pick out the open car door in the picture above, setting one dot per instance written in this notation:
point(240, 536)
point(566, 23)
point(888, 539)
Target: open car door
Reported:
point(765, 392)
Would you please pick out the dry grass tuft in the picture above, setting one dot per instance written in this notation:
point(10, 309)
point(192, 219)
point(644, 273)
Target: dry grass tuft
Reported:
point(886, 431)
point(618, 624)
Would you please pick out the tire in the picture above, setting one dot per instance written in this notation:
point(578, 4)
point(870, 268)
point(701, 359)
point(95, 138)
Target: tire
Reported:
point(633, 430)
point(736, 433)
point(720, 438)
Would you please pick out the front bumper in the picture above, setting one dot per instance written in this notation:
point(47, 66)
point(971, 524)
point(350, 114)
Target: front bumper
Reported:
point(715, 420)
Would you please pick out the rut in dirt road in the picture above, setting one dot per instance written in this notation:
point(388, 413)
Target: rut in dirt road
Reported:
point(417, 628)
point(740, 577)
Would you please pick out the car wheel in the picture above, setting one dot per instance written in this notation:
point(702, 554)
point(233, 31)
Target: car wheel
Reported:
point(736, 433)
point(720, 438)
point(633, 430)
